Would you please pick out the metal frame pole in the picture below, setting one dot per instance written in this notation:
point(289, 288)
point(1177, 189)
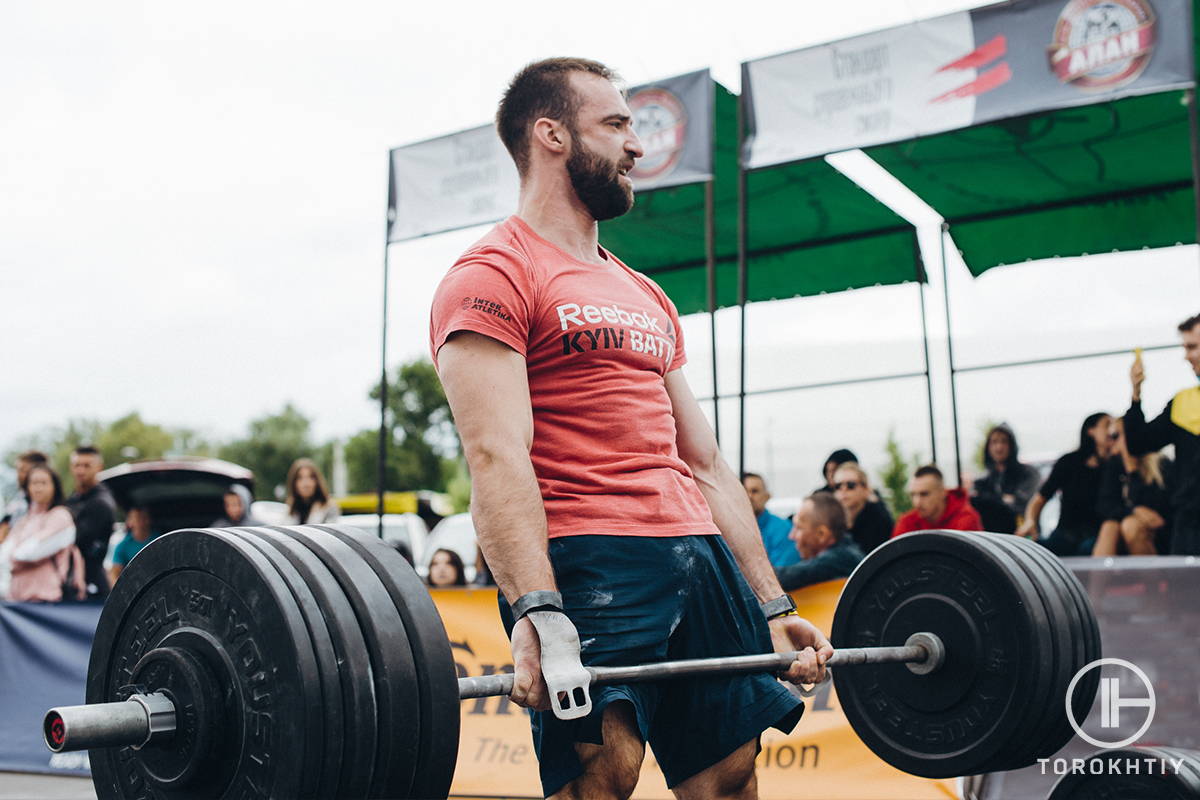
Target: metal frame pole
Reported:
point(710, 266)
point(922, 280)
point(743, 219)
point(942, 233)
point(1194, 126)
point(381, 486)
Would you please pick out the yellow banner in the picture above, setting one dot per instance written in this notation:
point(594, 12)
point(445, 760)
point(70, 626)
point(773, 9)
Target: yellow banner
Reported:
point(821, 758)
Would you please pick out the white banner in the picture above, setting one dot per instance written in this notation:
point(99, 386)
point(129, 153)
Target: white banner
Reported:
point(451, 182)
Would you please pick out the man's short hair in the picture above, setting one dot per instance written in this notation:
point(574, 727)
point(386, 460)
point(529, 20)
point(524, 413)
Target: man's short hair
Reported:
point(33, 457)
point(86, 450)
point(1189, 323)
point(858, 470)
point(929, 469)
point(541, 89)
point(746, 475)
point(827, 511)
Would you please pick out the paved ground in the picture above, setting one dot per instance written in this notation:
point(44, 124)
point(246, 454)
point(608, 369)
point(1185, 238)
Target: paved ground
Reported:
point(23, 786)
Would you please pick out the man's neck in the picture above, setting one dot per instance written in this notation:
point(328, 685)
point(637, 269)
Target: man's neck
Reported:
point(84, 488)
point(551, 207)
point(941, 512)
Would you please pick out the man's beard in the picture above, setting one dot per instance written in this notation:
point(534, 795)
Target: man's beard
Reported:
point(597, 183)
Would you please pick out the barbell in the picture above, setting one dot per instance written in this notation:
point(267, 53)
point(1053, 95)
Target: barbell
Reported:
point(311, 661)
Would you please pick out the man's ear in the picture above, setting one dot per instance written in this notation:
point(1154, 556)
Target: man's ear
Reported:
point(550, 134)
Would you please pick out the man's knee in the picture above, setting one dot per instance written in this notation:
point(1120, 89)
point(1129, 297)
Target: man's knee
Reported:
point(610, 770)
point(732, 778)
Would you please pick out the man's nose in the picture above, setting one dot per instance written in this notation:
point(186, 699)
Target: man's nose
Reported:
point(634, 145)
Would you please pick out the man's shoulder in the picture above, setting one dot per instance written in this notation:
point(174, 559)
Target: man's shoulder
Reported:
point(503, 246)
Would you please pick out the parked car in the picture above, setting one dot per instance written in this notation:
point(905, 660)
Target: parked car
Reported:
point(408, 528)
point(182, 492)
point(456, 532)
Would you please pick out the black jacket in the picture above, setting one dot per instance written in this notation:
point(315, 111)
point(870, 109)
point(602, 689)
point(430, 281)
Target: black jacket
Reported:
point(1178, 424)
point(94, 512)
point(1121, 491)
point(872, 527)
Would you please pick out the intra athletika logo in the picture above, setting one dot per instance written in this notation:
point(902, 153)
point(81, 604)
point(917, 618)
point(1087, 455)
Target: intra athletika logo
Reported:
point(1102, 44)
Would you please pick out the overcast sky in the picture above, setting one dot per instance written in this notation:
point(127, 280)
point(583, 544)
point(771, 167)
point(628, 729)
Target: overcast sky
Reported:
point(193, 200)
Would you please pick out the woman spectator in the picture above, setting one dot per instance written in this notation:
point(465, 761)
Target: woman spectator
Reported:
point(308, 495)
point(1002, 495)
point(1134, 499)
point(43, 551)
point(236, 501)
point(446, 570)
point(1077, 476)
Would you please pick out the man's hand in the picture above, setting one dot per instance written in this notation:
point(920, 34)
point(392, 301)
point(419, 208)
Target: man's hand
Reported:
point(1137, 374)
point(529, 687)
point(1028, 529)
point(796, 633)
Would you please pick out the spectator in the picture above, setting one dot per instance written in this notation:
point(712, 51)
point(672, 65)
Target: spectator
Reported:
point(1002, 494)
point(1178, 424)
point(138, 533)
point(869, 520)
point(1077, 476)
point(308, 495)
point(835, 460)
point(935, 507)
point(44, 556)
point(237, 501)
point(820, 535)
point(774, 530)
point(16, 508)
point(95, 514)
point(446, 569)
point(1134, 500)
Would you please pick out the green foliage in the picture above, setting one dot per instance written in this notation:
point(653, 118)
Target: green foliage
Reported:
point(895, 475)
point(273, 443)
point(458, 486)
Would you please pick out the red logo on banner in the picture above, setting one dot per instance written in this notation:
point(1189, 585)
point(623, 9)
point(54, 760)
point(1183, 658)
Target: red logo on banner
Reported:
point(661, 123)
point(1102, 44)
point(985, 81)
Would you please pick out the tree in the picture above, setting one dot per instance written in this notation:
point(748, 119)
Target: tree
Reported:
point(895, 474)
point(273, 443)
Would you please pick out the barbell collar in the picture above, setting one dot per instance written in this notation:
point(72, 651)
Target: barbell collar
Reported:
point(136, 722)
point(922, 649)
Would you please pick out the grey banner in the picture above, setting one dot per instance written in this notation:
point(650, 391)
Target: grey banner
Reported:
point(674, 120)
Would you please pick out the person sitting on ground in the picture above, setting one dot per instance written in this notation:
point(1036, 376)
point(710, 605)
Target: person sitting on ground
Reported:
point(43, 552)
point(1002, 494)
point(138, 533)
point(446, 569)
point(835, 460)
point(775, 530)
point(935, 507)
point(826, 548)
point(869, 521)
point(1134, 499)
point(237, 500)
point(308, 495)
point(1077, 476)
point(1178, 424)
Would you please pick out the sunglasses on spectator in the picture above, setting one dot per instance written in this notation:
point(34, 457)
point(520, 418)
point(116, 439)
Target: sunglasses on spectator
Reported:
point(847, 485)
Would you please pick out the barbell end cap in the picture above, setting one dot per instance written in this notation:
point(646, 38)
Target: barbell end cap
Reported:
point(935, 653)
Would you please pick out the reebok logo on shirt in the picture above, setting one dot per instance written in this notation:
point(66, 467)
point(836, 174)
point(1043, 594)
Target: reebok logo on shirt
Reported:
point(571, 313)
point(606, 338)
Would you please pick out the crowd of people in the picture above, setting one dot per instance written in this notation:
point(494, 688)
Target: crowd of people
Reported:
point(53, 548)
point(1118, 493)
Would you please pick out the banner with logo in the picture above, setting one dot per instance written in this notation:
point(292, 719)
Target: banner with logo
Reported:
point(960, 70)
point(674, 120)
point(822, 757)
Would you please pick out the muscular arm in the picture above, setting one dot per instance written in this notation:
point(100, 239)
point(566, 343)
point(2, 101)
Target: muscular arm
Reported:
point(726, 498)
point(488, 390)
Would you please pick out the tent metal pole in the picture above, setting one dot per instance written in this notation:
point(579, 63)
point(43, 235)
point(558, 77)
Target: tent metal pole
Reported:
point(742, 218)
point(943, 231)
point(383, 398)
point(923, 279)
point(1194, 125)
point(710, 267)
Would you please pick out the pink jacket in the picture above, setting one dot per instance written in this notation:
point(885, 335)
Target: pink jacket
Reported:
point(43, 553)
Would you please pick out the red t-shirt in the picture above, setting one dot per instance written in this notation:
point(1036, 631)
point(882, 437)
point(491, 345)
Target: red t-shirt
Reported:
point(598, 340)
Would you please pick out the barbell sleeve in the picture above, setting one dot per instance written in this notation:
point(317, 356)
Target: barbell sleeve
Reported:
point(922, 650)
point(134, 722)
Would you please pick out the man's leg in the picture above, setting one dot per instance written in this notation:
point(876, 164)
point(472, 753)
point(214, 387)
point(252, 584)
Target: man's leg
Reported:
point(732, 778)
point(610, 770)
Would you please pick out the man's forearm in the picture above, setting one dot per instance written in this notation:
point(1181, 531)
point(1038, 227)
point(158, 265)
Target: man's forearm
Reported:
point(732, 514)
point(510, 523)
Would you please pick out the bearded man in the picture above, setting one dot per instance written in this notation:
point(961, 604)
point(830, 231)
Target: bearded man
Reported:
point(599, 493)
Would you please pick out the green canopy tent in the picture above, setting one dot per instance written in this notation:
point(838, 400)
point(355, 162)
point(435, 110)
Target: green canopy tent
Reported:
point(806, 230)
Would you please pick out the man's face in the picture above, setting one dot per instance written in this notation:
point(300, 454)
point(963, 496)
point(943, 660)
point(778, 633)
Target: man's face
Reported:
point(756, 490)
point(1191, 348)
point(84, 468)
point(928, 496)
point(603, 148)
point(138, 522)
point(233, 507)
point(998, 447)
point(811, 537)
point(850, 489)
